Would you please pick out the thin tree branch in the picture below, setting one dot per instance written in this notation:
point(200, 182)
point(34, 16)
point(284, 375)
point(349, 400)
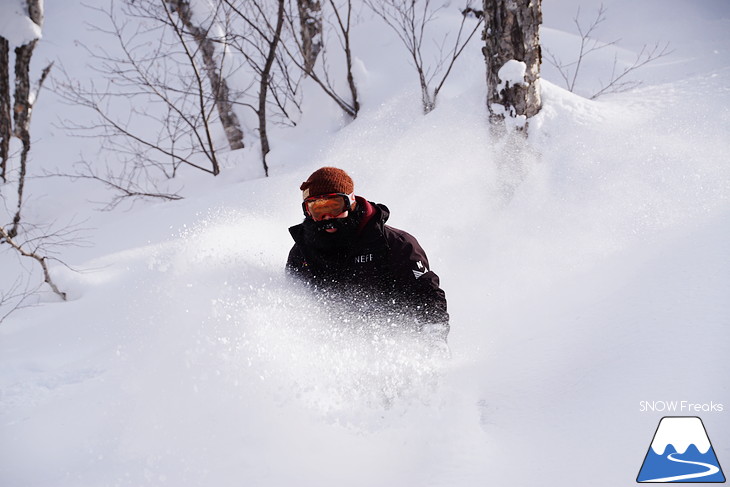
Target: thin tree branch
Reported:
point(40, 259)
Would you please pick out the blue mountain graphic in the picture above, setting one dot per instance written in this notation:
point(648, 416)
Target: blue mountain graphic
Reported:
point(661, 466)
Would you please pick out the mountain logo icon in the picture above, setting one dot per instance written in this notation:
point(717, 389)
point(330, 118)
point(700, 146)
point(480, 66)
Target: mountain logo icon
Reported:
point(680, 452)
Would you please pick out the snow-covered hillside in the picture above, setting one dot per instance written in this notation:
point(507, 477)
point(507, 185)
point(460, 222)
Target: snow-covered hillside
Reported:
point(584, 274)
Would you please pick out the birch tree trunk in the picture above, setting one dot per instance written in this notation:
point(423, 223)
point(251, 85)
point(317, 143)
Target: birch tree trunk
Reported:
point(24, 104)
point(512, 34)
point(310, 20)
point(219, 85)
point(24, 99)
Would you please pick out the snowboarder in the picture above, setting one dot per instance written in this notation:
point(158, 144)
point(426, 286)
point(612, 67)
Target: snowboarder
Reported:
point(347, 253)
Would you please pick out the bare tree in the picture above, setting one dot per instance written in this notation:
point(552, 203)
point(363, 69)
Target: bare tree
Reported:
point(258, 38)
point(23, 104)
point(343, 30)
point(513, 57)
point(264, 79)
point(126, 183)
point(5, 120)
point(23, 100)
point(409, 19)
point(310, 23)
point(22, 126)
point(34, 253)
point(16, 297)
point(617, 81)
point(340, 18)
point(218, 83)
point(155, 110)
point(24, 97)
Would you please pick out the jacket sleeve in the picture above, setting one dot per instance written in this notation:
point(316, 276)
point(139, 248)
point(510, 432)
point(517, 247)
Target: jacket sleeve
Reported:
point(417, 283)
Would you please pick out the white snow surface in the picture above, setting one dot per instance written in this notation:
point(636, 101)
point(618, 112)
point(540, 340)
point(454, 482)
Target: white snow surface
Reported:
point(15, 24)
point(681, 432)
point(512, 72)
point(586, 271)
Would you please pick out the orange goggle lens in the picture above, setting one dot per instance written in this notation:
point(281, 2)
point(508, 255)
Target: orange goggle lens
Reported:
point(333, 205)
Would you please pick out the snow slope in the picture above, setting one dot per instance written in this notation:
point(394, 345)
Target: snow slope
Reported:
point(585, 273)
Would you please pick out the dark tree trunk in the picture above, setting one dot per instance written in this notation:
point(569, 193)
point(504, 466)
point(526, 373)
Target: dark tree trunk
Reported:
point(23, 55)
point(218, 83)
point(5, 120)
point(23, 106)
point(310, 20)
point(512, 33)
point(350, 78)
point(22, 111)
point(264, 85)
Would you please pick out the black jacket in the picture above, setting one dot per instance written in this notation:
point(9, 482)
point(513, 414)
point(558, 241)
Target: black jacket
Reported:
point(384, 271)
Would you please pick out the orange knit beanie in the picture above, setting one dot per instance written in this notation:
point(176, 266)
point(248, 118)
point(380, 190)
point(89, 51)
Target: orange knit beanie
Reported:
point(327, 180)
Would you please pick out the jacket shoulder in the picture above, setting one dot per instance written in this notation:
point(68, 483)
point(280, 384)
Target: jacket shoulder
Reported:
point(398, 238)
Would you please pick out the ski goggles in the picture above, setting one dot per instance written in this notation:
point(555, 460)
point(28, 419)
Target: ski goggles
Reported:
point(331, 205)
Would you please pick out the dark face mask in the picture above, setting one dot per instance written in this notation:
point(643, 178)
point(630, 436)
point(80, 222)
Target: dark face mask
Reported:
point(316, 236)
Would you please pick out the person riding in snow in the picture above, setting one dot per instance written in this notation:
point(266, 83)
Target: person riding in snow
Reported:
point(346, 252)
